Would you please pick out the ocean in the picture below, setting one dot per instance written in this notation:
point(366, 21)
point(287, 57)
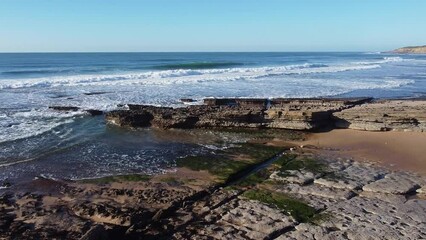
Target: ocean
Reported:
point(38, 141)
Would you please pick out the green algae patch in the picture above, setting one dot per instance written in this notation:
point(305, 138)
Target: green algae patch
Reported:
point(284, 159)
point(118, 178)
point(254, 152)
point(216, 165)
point(319, 218)
point(174, 181)
point(299, 210)
point(336, 176)
point(254, 179)
point(169, 180)
point(227, 163)
point(293, 162)
point(282, 134)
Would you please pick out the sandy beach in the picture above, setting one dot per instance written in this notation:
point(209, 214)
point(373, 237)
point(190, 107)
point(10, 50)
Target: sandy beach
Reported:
point(394, 150)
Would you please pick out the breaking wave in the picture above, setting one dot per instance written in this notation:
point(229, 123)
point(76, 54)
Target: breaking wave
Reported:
point(182, 76)
point(26, 124)
point(198, 65)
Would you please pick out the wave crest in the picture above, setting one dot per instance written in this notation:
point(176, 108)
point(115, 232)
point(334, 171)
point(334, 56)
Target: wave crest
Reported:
point(183, 76)
point(197, 65)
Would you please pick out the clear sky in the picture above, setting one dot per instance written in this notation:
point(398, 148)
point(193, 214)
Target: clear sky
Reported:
point(210, 25)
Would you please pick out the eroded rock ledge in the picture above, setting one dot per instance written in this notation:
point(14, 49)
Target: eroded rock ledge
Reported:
point(300, 114)
point(292, 113)
point(399, 115)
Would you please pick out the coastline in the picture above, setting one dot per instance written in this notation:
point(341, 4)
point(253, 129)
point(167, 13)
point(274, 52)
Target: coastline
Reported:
point(276, 184)
point(278, 190)
point(213, 120)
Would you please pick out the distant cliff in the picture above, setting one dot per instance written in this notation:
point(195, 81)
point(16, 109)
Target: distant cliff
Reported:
point(416, 49)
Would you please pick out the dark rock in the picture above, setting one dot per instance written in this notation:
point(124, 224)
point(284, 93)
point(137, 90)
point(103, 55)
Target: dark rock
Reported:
point(6, 199)
point(94, 112)
point(5, 221)
point(5, 184)
point(242, 102)
point(300, 114)
point(130, 118)
point(94, 93)
point(64, 108)
point(158, 215)
point(18, 228)
point(187, 100)
point(109, 213)
point(219, 101)
point(96, 232)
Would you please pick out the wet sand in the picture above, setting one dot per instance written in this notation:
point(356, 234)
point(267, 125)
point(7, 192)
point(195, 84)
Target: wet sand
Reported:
point(394, 150)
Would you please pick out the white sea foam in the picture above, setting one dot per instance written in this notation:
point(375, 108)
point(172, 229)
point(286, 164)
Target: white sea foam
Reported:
point(382, 61)
point(16, 162)
point(26, 124)
point(166, 87)
point(183, 76)
point(393, 59)
point(372, 53)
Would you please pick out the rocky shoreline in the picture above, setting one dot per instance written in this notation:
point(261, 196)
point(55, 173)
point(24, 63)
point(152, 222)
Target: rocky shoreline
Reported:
point(279, 192)
point(297, 114)
point(263, 188)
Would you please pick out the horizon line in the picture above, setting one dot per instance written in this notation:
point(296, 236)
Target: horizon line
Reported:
point(194, 52)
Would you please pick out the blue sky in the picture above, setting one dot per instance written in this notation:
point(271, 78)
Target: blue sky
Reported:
point(210, 25)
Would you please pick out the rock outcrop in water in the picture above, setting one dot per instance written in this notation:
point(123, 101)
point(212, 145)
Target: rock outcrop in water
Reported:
point(64, 108)
point(299, 114)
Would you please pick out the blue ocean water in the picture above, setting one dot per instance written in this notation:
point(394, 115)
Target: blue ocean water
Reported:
point(30, 133)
